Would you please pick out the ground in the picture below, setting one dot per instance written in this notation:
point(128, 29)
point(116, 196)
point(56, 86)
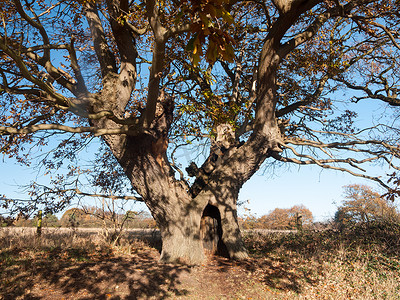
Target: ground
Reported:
point(73, 275)
point(307, 266)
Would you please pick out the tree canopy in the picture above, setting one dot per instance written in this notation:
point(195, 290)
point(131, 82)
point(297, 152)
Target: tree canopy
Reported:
point(362, 204)
point(279, 81)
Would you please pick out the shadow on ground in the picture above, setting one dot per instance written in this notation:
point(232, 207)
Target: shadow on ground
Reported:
point(76, 274)
point(59, 275)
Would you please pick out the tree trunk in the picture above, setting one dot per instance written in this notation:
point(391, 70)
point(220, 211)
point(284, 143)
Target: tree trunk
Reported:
point(230, 242)
point(176, 212)
point(178, 216)
point(181, 240)
point(231, 235)
point(183, 219)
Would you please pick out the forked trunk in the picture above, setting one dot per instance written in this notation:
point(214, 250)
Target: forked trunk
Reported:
point(206, 213)
point(178, 214)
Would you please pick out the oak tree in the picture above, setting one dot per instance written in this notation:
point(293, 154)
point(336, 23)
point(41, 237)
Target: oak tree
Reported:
point(287, 218)
point(256, 82)
point(362, 204)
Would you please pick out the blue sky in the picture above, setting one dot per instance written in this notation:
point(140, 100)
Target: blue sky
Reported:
point(319, 190)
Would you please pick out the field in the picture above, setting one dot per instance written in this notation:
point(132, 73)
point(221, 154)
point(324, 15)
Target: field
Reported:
point(358, 263)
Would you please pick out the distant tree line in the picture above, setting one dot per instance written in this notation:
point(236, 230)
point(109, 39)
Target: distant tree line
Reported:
point(87, 217)
point(361, 204)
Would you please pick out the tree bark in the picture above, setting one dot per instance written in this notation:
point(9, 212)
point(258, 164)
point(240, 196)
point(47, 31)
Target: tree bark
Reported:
point(232, 243)
point(181, 240)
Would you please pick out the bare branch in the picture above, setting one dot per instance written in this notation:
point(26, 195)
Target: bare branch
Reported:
point(388, 32)
point(313, 28)
point(103, 53)
point(127, 51)
point(392, 99)
point(306, 101)
point(81, 86)
point(59, 99)
point(323, 164)
point(110, 115)
point(136, 31)
point(36, 24)
point(62, 77)
point(78, 192)
point(177, 30)
point(125, 129)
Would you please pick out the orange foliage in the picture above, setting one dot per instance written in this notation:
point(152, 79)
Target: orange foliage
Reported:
point(281, 219)
point(363, 204)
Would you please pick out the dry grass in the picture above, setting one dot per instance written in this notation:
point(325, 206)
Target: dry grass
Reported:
point(358, 263)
